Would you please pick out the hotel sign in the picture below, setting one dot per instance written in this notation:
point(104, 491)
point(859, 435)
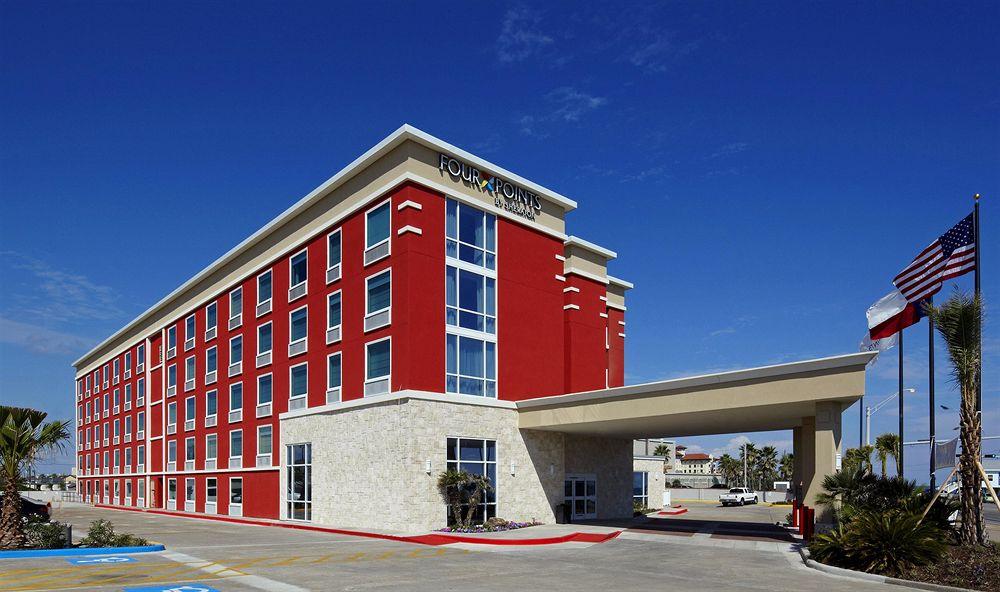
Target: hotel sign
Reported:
point(506, 195)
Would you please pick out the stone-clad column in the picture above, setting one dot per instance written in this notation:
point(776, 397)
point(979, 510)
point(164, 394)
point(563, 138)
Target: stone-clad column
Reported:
point(797, 456)
point(825, 444)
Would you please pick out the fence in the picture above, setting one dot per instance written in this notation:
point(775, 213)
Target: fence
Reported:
point(678, 494)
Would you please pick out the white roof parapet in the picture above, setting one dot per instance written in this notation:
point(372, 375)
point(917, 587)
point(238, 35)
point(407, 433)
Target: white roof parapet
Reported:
point(680, 384)
point(403, 133)
point(620, 282)
point(579, 242)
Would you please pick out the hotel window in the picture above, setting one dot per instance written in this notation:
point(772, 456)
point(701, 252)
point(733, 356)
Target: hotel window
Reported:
point(235, 308)
point(107, 375)
point(264, 392)
point(128, 364)
point(236, 496)
point(107, 407)
point(470, 367)
point(264, 446)
point(298, 386)
point(189, 332)
point(128, 484)
point(172, 417)
point(189, 369)
point(333, 317)
point(118, 430)
point(140, 358)
point(471, 235)
point(298, 490)
point(211, 320)
point(377, 231)
point(140, 458)
point(172, 455)
point(470, 300)
point(171, 494)
point(128, 460)
point(264, 344)
point(298, 327)
point(140, 386)
point(333, 378)
point(105, 465)
point(211, 364)
point(97, 379)
point(118, 369)
point(171, 380)
point(128, 428)
point(87, 379)
point(640, 489)
point(189, 407)
point(189, 496)
point(235, 355)
point(211, 408)
point(140, 424)
point(171, 341)
point(333, 255)
point(263, 293)
point(378, 365)
point(236, 449)
point(478, 457)
point(117, 460)
point(211, 493)
point(378, 300)
point(128, 396)
point(235, 402)
point(87, 415)
point(118, 400)
point(297, 274)
point(189, 451)
point(211, 451)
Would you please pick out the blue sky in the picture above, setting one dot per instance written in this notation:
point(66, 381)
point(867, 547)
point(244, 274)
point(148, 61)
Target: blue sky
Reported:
point(762, 171)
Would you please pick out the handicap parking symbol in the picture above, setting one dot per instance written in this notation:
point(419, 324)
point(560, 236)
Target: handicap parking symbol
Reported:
point(192, 587)
point(99, 560)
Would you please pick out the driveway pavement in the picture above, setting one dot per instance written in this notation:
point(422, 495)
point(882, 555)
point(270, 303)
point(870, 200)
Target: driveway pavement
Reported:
point(203, 555)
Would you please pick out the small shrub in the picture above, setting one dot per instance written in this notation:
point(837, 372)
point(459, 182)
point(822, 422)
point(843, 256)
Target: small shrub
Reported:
point(102, 534)
point(45, 535)
point(880, 542)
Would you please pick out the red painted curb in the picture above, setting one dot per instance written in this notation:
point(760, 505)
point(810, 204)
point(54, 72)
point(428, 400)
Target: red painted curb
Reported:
point(672, 512)
point(433, 539)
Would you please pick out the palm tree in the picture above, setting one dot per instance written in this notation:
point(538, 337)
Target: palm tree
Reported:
point(766, 467)
point(662, 450)
point(451, 484)
point(730, 469)
point(887, 445)
point(747, 455)
point(786, 466)
point(858, 458)
point(24, 438)
point(480, 484)
point(959, 322)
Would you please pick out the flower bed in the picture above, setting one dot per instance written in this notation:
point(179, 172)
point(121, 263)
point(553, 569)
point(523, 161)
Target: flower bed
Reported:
point(973, 567)
point(491, 525)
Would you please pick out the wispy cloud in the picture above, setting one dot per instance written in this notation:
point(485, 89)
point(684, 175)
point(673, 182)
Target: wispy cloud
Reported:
point(646, 174)
point(566, 104)
point(723, 331)
point(521, 36)
point(54, 295)
point(730, 149)
point(655, 52)
point(41, 340)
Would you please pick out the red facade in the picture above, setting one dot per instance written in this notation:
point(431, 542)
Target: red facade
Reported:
point(555, 335)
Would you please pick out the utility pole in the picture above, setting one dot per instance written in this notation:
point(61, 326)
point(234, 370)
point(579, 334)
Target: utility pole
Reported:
point(745, 465)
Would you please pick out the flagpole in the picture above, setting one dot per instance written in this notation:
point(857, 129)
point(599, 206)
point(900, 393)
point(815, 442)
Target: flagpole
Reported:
point(930, 389)
point(899, 468)
point(979, 369)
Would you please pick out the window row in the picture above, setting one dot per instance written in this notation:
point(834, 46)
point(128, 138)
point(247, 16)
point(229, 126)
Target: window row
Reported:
point(209, 460)
point(112, 403)
point(110, 437)
point(112, 372)
point(91, 464)
point(91, 491)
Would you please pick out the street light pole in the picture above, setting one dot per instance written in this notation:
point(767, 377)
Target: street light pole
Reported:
point(870, 411)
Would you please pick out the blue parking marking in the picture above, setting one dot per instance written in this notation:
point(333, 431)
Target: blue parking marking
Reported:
point(190, 587)
point(99, 560)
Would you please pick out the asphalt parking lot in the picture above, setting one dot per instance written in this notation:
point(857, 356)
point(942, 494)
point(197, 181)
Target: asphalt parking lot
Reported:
point(207, 555)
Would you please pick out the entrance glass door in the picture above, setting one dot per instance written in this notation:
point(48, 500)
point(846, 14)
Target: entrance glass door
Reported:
point(581, 496)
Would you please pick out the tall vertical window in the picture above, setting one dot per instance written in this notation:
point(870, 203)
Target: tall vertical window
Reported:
point(211, 320)
point(128, 396)
point(333, 317)
point(211, 491)
point(333, 256)
point(128, 364)
point(378, 300)
point(189, 332)
point(235, 445)
point(171, 379)
point(140, 424)
point(118, 368)
point(140, 358)
point(235, 493)
point(264, 344)
point(128, 428)
point(298, 327)
point(264, 293)
point(140, 456)
point(189, 378)
point(236, 401)
point(640, 489)
point(236, 308)
point(264, 395)
point(471, 235)
point(211, 404)
point(211, 364)
point(378, 365)
point(470, 301)
point(235, 355)
point(140, 387)
point(298, 491)
point(107, 375)
point(189, 413)
point(478, 457)
point(333, 378)
point(263, 446)
point(298, 386)
point(297, 270)
point(377, 232)
point(172, 453)
point(189, 450)
point(171, 417)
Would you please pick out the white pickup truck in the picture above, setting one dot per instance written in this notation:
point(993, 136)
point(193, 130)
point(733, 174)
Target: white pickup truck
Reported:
point(738, 496)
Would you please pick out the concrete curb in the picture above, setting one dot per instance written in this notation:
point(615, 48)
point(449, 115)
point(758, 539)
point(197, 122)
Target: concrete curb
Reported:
point(860, 575)
point(71, 551)
point(431, 539)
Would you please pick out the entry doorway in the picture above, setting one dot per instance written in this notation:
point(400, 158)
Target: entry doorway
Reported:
point(581, 496)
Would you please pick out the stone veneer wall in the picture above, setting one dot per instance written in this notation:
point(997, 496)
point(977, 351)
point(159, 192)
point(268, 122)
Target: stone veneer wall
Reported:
point(610, 459)
point(369, 463)
point(656, 484)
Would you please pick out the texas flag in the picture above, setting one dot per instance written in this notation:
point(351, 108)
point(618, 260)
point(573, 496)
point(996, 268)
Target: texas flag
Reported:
point(891, 314)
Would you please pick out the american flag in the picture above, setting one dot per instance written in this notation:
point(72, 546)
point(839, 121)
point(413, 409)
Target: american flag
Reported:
point(951, 255)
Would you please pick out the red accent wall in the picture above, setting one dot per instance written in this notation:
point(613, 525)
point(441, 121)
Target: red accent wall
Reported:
point(586, 351)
